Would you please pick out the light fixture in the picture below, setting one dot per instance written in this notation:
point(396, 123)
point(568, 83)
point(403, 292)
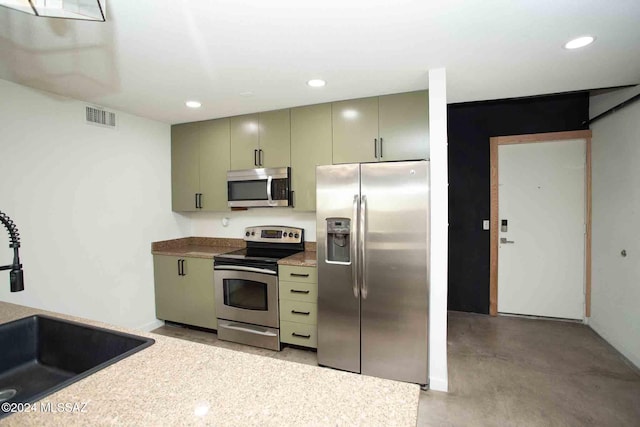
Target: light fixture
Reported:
point(193, 104)
point(316, 83)
point(579, 42)
point(86, 10)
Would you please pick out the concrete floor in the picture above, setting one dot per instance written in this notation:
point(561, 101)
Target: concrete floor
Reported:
point(509, 371)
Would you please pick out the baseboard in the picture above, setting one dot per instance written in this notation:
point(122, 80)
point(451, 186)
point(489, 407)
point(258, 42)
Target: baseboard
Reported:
point(624, 352)
point(439, 384)
point(148, 327)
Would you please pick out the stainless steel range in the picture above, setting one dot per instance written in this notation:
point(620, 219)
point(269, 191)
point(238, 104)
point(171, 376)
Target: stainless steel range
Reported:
point(246, 285)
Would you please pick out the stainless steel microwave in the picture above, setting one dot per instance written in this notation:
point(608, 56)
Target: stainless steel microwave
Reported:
point(250, 188)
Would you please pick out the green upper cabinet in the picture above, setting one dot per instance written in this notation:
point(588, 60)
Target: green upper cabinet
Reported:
point(355, 130)
point(404, 126)
point(245, 139)
point(214, 164)
point(199, 164)
point(261, 140)
point(310, 147)
point(185, 169)
point(275, 139)
point(384, 128)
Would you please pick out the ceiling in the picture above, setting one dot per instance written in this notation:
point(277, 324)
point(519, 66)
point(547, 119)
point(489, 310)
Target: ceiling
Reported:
point(241, 56)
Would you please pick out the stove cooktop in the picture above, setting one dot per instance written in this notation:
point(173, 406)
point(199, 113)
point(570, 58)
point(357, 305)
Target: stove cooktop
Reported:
point(249, 254)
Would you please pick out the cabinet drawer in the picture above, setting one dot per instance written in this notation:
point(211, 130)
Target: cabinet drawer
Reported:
point(298, 274)
point(299, 334)
point(298, 291)
point(298, 311)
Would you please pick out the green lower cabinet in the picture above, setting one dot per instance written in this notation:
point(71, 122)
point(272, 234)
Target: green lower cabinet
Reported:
point(299, 334)
point(184, 290)
point(299, 305)
point(169, 288)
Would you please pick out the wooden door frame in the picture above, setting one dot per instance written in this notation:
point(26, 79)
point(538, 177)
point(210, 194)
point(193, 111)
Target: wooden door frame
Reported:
point(494, 221)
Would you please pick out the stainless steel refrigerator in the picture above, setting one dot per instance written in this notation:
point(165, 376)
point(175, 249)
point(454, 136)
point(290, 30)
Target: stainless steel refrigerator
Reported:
point(373, 289)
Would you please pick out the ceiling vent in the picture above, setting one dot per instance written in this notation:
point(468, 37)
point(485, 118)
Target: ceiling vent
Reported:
point(100, 117)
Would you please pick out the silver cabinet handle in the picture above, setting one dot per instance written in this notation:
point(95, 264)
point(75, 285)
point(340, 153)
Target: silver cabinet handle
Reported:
point(297, 291)
point(504, 240)
point(304, 313)
point(255, 157)
point(260, 157)
point(251, 331)
point(362, 244)
point(354, 253)
point(381, 148)
point(298, 275)
point(375, 147)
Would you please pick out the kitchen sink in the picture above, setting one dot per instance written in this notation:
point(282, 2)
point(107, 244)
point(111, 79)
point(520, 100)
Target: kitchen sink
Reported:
point(40, 355)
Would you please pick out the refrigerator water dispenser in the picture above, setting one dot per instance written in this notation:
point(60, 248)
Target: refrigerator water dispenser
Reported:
point(338, 240)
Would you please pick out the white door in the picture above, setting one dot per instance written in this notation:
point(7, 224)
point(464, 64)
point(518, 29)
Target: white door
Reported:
point(541, 255)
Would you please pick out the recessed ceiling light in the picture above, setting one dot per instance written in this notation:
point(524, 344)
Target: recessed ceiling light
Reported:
point(316, 83)
point(193, 104)
point(579, 42)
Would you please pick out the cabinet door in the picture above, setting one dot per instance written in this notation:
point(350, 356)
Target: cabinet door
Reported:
point(169, 288)
point(199, 303)
point(275, 139)
point(355, 129)
point(310, 146)
point(214, 164)
point(404, 126)
point(185, 175)
point(244, 141)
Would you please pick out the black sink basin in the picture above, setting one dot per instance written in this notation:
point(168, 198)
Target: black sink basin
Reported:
point(40, 355)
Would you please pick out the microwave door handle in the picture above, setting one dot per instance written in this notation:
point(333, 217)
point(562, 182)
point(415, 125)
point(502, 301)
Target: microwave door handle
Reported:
point(269, 198)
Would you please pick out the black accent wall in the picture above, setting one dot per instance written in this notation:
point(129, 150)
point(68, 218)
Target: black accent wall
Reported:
point(470, 125)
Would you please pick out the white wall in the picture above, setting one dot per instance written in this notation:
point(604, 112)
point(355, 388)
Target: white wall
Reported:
point(209, 224)
point(438, 374)
point(615, 313)
point(88, 202)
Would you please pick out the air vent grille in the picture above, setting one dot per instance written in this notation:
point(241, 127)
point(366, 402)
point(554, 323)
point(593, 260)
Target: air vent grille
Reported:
point(99, 116)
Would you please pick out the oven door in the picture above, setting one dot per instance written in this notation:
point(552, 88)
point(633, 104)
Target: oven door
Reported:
point(247, 294)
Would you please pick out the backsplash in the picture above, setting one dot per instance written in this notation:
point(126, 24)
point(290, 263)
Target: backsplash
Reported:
point(210, 224)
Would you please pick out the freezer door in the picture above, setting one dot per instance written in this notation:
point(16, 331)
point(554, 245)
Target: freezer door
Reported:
point(395, 291)
point(337, 197)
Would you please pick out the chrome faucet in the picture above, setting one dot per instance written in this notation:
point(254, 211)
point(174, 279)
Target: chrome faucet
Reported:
point(16, 275)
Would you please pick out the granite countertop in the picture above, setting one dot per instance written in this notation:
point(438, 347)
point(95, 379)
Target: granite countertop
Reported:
point(176, 382)
point(208, 247)
point(302, 259)
point(196, 247)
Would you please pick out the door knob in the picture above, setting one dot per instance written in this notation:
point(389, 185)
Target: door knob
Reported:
point(504, 240)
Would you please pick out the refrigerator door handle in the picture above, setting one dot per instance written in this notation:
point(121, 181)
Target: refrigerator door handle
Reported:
point(354, 248)
point(361, 246)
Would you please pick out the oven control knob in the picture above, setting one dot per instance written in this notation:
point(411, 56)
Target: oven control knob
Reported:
point(290, 234)
point(296, 235)
point(247, 234)
point(253, 233)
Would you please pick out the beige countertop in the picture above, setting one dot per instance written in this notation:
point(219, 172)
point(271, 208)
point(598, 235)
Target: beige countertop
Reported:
point(176, 382)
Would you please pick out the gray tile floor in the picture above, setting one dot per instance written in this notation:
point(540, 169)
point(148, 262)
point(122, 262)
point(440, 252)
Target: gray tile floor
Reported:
point(509, 371)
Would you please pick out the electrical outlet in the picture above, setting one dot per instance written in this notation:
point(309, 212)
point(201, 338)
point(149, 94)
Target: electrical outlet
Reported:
point(485, 224)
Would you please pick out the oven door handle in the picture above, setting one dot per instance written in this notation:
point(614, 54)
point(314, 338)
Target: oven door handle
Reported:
point(249, 269)
point(251, 331)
